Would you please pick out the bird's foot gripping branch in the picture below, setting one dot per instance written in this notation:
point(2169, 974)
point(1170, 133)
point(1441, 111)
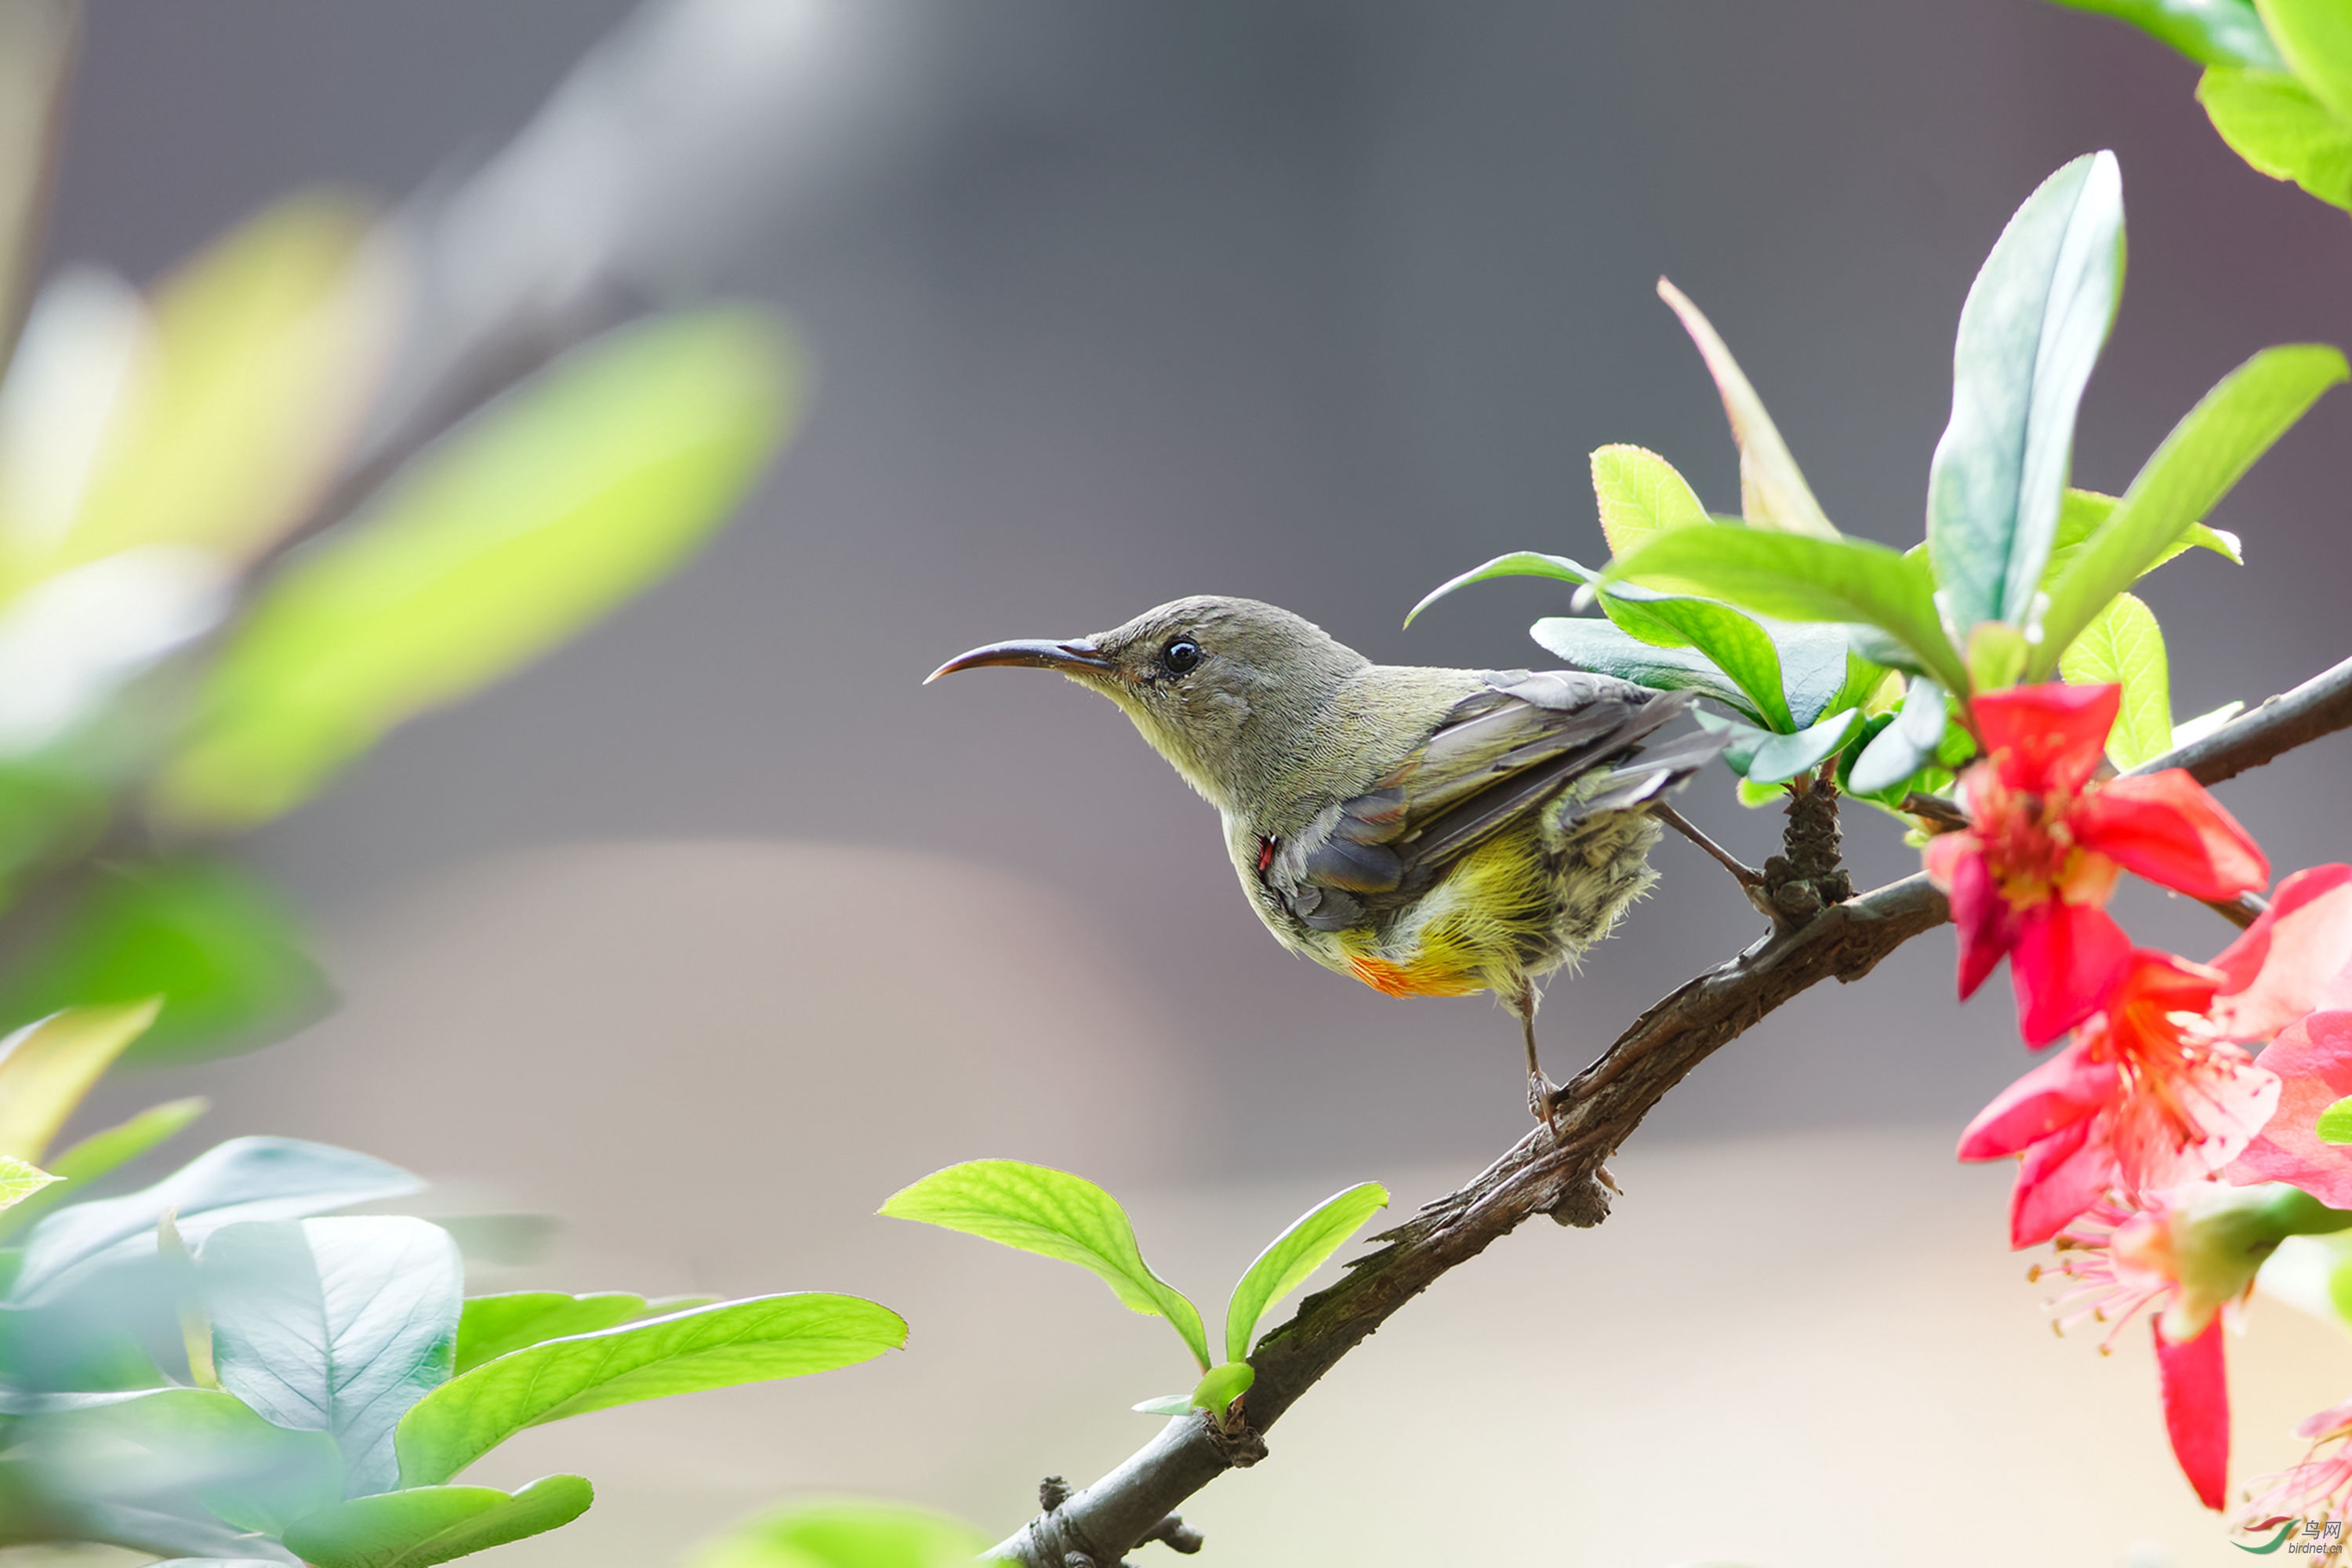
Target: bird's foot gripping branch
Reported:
point(1999, 693)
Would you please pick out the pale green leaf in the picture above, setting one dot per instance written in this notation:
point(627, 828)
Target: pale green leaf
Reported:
point(2123, 645)
point(2315, 36)
point(2273, 123)
point(1783, 757)
point(1638, 494)
point(2202, 457)
point(1802, 579)
point(19, 1179)
point(1731, 640)
point(2085, 511)
point(753, 1341)
point(847, 1533)
point(2035, 319)
point(1221, 1384)
point(1904, 746)
point(101, 1152)
point(2210, 32)
point(47, 1067)
point(493, 1325)
point(1607, 649)
point(529, 522)
point(1772, 492)
point(1294, 1255)
point(2189, 732)
point(1055, 1214)
point(1163, 1404)
point(425, 1525)
point(1518, 563)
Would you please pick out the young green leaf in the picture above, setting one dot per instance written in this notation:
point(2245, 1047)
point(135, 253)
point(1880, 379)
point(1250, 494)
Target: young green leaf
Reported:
point(1294, 1255)
point(103, 1152)
point(1904, 746)
point(531, 520)
point(1518, 563)
point(847, 1533)
point(1638, 494)
point(2124, 644)
point(2035, 319)
point(243, 1179)
point(2190, 731)
point(425, 1525)
point(2203, 456)
point(47, 1067)
point(2210, 32)
point(1607, 649)
point(154, 1446)
point(1221, 1385)
point(2277, 125)
point(1996, 656)
point(1732, 641)
point(493, 1325)
point(217, 945)
point(2334, 1125)
point(1055, 1214)
point(2084, 513)
point(334, 1325)
point(19, 1179)
point(1164, 1405)
point(2315, 36)
point(1800, 579)
point(1783, 757)
point(1742, 741)
point(753, 1341)
point(1772, 492)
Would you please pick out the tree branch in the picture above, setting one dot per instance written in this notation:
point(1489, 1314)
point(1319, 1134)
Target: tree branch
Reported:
point(1558, 1173)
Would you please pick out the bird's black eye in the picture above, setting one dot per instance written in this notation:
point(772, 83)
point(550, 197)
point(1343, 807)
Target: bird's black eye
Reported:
point(1180, 656)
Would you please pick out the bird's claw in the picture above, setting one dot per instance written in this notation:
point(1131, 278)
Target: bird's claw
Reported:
point(1543, 1097)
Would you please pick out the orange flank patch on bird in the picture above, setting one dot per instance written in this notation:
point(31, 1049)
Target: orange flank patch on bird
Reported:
point(1420, 977)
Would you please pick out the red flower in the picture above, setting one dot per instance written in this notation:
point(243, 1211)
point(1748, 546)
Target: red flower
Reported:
point(2313, 1062)
point(2029, 879)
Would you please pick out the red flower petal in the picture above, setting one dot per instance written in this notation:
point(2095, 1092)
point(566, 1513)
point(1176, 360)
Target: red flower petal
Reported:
point(2313, 1060)
point(1988, 926)
point(2065, 960)
point(2055, 1094)
point(2046, 739)
point(2196, 1388)
point(2292, 959)
point(2060, 1177)
point(2168, 828)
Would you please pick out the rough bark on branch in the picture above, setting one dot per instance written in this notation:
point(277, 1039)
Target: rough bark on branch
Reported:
point(1558, 1173)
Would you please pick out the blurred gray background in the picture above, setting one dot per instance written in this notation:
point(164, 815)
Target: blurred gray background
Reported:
point(1111, 302)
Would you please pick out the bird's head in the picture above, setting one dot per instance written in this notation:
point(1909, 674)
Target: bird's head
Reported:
point(1222, 687)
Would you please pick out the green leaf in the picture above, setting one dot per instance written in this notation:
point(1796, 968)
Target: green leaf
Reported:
point(536, 517)
point(243, 1179)
point(1221, 1385)
point(2082, 513)
point(1518, 563)
point(1996, 656)
point(2334, 1125)
point(2203, 456)
point(2190, 731)
point(1055, 1214)
point(2275, 125)
point(1801, 579)
point(1164, 1405)
point(19, 1179)
point(1904, 746)
point(1772, 492)
point(2210, 32)
point(2035, 319)
point(846, 1533)
point(753, 1341)
point(99, 1152)
point(1607, 649)
point(2124, 645)
point(154, 1446)
point(425, 1525)
point(2315, 36)
point(215, 944)
point(1294, 1255)
point(334, 1326)
point(1638, 494)
point(47, 1066)
point(493, 1325)
point(1742, 744)
point(1783, 757)
point(1732, 641)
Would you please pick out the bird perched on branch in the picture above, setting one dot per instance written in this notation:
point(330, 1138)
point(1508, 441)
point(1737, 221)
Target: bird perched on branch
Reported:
point(1431, 832)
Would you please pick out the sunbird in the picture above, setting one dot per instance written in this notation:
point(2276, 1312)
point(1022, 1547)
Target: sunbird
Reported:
point(1430, 832)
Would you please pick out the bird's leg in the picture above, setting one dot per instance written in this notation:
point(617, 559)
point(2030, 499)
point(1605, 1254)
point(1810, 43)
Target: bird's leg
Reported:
point(1751, 880)
point(1543, 1095)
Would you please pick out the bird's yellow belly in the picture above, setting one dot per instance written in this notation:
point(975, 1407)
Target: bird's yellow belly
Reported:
point(1486, 925)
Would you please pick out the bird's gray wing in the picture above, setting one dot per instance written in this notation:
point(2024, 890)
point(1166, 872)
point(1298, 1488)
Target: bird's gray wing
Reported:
point(1499, 754)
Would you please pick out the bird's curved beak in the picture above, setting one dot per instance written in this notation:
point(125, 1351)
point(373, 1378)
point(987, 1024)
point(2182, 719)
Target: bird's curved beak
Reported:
point(1074, 657)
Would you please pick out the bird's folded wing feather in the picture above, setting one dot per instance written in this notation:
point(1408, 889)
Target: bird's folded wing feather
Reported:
point(1499, 754)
